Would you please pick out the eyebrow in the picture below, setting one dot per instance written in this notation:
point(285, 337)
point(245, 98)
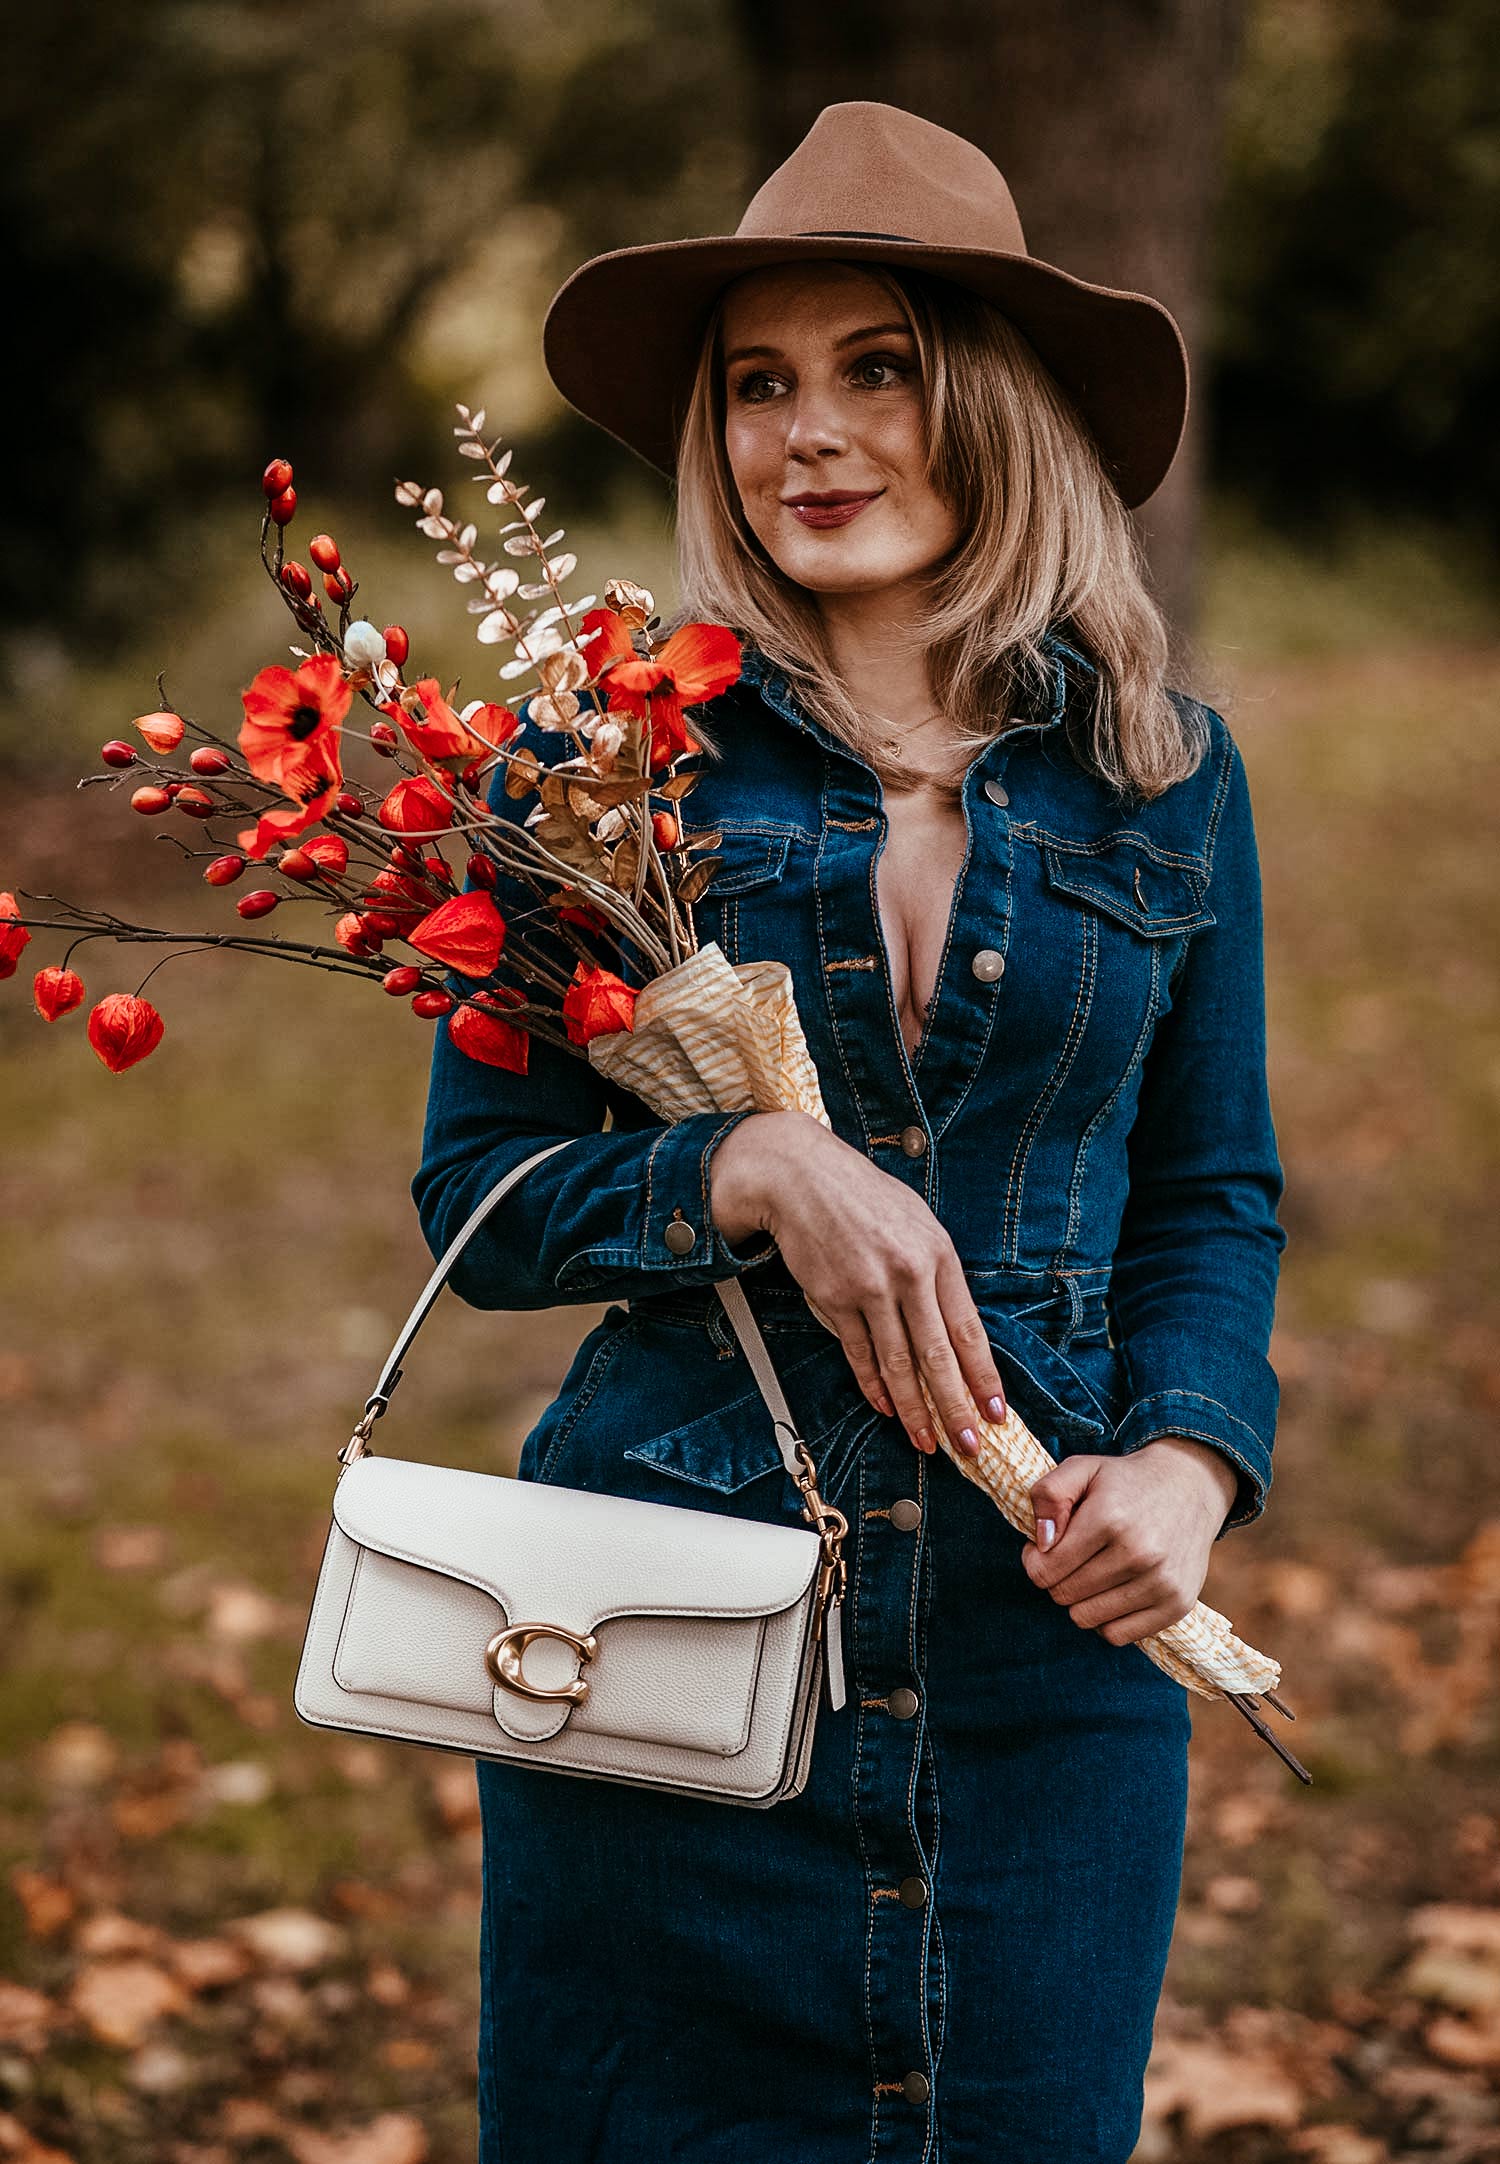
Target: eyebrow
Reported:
point(851, 338)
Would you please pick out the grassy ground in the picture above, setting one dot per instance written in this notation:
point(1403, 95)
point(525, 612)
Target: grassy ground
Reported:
point(227, 1936)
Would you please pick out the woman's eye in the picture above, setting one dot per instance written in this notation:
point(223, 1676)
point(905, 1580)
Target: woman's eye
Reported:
point(885, 361)
point(746, 387)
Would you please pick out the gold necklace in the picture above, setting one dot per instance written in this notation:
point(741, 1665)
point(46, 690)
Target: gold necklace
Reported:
point(897, 745)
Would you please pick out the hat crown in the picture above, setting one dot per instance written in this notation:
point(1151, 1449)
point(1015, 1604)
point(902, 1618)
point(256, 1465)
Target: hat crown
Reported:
point(874, 170)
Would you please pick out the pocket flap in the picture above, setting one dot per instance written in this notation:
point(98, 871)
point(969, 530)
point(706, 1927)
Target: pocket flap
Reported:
point(749, 859)
point(1124, 879)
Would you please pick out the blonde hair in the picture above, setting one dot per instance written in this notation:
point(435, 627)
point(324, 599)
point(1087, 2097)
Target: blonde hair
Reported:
point(1048, 545)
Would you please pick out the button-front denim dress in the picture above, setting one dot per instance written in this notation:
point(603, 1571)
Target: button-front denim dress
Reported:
point(948, 1949)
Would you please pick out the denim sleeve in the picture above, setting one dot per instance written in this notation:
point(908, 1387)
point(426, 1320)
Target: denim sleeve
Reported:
point(1193, 1286)
point(588, 1223)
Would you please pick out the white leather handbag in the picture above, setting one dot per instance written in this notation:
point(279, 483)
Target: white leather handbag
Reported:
point(589, 1634)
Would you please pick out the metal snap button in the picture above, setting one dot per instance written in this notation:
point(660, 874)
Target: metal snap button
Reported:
point(902, 1703)
point(916, 2088)
point(680, 1236)
point(987, 965)
point(913, 1141)
point(997, 792)
point(912, 1892)
point(906, 1515)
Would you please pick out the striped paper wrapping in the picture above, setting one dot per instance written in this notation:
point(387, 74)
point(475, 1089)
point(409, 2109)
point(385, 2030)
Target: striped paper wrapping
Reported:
point(714, 1036)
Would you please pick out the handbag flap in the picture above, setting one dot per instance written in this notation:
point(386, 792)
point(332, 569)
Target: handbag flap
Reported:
point(568, 1555)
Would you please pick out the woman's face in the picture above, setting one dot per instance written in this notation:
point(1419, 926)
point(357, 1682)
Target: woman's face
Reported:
point(824, 400)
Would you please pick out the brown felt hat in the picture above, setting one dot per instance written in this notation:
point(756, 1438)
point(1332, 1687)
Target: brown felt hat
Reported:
point(870, 183)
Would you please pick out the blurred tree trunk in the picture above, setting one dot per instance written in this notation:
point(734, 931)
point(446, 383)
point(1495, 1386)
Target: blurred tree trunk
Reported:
point(1106, 118)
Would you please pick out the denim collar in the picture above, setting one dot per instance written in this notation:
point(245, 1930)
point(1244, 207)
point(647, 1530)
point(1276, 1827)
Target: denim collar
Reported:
point(1071, 672)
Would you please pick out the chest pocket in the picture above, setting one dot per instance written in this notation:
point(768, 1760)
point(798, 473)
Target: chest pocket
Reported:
point(744, 891)
point(1154, 898)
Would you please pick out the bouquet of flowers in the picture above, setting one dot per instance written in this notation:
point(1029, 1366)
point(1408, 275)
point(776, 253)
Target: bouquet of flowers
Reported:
point(604, 853)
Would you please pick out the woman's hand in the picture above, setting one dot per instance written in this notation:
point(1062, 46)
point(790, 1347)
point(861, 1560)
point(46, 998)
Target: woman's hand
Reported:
point(1123, 1543)
point(874, 1261)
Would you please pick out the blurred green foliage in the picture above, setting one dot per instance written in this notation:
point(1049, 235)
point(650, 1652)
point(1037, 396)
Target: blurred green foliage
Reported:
point(242, 228)
point(1356, 340)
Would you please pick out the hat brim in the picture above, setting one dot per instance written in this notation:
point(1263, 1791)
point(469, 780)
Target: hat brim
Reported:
point(622, 336)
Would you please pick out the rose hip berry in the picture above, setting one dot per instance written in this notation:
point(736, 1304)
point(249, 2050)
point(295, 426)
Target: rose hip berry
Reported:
point(150, 799)
point(277, 478)
point(324, 551)
point(223, 870)
point(398, 982)
point(208, 759)
point(429, 1005)
point(296, 578)
point(114, 753)
point(284, 507)
point(197, 803)
point(397, 644)
point(260, 903)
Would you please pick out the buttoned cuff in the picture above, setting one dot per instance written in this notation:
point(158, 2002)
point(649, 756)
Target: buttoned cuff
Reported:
point(1212, 1390)
point(674, 1236)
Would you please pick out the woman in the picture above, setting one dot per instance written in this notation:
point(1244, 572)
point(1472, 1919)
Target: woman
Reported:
point(1016, 885)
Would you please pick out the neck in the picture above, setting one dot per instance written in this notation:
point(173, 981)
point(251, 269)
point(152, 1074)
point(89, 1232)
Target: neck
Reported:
point(878, 656)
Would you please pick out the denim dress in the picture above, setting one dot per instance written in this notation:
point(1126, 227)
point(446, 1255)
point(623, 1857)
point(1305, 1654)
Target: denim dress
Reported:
point(950, 1946)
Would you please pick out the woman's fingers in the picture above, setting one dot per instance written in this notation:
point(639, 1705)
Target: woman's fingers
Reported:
point(859, 1350)
point(928, 1330)
point(898, 1366)
point(966, 1334)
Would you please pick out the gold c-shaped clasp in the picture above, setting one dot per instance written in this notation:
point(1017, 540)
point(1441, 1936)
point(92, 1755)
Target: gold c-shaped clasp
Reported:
point(505, 1651)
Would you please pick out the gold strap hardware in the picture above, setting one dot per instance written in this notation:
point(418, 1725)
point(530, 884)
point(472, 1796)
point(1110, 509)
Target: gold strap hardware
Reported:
point(829, 1524)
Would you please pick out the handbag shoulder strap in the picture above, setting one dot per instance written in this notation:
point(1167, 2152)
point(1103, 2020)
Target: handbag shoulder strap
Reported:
point(730, 1291)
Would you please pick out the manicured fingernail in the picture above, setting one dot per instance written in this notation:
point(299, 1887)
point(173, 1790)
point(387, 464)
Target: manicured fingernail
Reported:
point(968, 1442)
point(995, 1407)
point(926, 1440)
point(1046, 1532)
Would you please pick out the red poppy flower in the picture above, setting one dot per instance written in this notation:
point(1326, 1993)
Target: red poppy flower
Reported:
point(123, 1028)
point(696, 664)
point(288, 820)
point(13, 936)
point(416, 806)
point(290, 734)
point(596, 1003)
point(483, 1036)
point(466, 934)
point(56, 992)
point(439, 733)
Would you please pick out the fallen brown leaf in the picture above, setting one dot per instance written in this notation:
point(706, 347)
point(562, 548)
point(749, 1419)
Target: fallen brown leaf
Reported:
point(291, 1939)
point(394, 2138)
point(46, 1903)
point(17, 2146)
point(121, 2000)
point(27, 2017)
point(79, 1754)
point(1216, 2088)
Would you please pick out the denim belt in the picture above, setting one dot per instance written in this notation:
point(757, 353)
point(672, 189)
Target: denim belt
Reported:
point(1057, 1307)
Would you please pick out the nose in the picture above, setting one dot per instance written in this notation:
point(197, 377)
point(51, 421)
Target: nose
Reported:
point(815, 426)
